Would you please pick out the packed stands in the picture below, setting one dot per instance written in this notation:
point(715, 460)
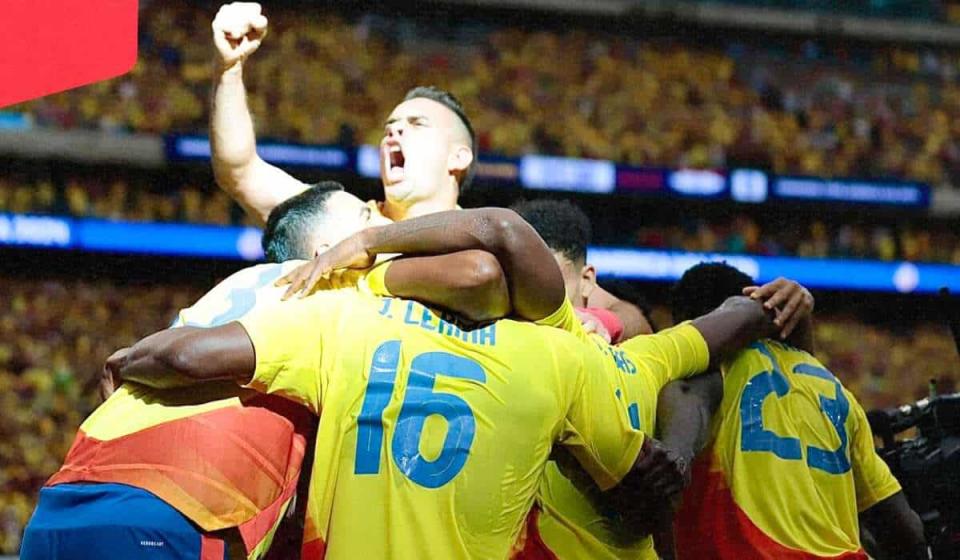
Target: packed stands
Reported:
point(792, 106)
point(54, 338)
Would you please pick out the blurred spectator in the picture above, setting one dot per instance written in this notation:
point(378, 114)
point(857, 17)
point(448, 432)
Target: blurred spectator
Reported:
point(807, 238)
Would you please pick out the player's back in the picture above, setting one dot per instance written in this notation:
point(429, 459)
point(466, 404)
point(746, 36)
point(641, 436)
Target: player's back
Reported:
point(433, 440)
point(239, 453)
point(790, 465)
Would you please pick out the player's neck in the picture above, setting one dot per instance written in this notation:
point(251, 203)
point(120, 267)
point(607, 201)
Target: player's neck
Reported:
point(397, 211)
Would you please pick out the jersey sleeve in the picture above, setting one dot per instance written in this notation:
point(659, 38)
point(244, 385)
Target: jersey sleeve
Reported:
point(670, 354)
point(872, 478)
point(236, 296)
point(290, 339)
point(597, 429)
point(565, 318)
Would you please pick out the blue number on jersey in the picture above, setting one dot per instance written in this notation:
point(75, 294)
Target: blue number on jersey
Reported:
point(420, 401)
point(836, 410)
point(754, 437)
point(383, 374)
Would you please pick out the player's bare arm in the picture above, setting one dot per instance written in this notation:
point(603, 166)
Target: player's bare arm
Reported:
point(896, 528)
point(793, 305)
point(684, 409)
point(470, 284)
point(534, 281)
point(184, 356)
point(238, 30)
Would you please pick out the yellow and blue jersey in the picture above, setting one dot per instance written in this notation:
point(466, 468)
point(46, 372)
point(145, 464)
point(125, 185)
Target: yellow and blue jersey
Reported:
point(432, 440)
point(571, 520)
point(791, 464)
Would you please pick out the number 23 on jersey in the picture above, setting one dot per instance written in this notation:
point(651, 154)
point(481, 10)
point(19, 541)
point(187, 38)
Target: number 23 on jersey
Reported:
point(772, 383)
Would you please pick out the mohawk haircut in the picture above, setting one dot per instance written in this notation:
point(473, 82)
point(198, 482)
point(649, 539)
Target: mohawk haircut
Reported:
point(563, 226)
point(448, 100)
point(703, 287)
point(287, 234)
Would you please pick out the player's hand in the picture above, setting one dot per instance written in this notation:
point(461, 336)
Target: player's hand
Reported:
point(791, 301)
point(662, 471)
point(349, 253)
point(109, 376)
point(593, 325)
point(238, 29)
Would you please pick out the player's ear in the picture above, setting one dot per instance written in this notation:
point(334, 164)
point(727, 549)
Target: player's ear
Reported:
point(460, 159)
point(588, 281)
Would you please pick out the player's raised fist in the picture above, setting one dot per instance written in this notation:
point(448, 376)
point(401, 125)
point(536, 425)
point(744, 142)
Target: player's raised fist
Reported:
point(238, 29)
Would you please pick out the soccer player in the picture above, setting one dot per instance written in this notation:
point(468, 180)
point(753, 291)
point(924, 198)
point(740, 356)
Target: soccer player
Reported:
point(791, 461)
point(567, 231)
point(387, 372)
point(192, 473)
point(426, 154)
point(571, 520)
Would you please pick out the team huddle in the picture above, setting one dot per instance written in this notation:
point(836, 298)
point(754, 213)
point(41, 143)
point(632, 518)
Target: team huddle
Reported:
point(408, 379)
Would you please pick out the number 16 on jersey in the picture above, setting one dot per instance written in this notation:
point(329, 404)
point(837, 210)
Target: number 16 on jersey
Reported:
point(420, 401)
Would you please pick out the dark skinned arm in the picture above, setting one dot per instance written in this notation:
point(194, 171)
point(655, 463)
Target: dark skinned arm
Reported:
point(793, 305)
point(186, 356)
point(732, 326)
point(684, 410)
point(468, 283)
point(533, 277)
point(896, 528)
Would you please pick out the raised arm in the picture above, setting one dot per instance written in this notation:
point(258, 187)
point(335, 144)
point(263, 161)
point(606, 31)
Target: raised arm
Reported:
point(256, 185)
point(186, 356)
point(533, 278)
point(471, 284)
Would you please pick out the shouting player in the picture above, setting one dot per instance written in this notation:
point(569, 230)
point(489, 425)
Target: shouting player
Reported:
point(426, 154)
point(792, 460)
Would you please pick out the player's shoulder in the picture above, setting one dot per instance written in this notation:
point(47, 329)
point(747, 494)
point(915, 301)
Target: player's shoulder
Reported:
point(253, 275)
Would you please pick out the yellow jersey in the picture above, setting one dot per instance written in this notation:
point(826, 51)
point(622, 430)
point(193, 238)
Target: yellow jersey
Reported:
point(571, 521)
point(432, 440)
point(791, 464)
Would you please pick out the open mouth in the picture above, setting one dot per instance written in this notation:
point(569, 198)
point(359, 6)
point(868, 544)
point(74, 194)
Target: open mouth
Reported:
point(395, 162)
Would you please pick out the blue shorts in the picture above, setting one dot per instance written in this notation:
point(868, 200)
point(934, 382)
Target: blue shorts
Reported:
point(96, 521)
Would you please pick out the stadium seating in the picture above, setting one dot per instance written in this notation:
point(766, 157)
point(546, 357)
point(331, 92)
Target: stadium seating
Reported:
point(135, 198)
point(793, 107)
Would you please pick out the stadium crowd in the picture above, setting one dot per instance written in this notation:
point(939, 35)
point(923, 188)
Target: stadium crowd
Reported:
point(55, 335)
point(133, 198)
point(793, 107)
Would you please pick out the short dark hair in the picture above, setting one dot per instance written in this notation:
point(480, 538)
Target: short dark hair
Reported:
point(563, 226)
point(287, 234)
point(449, 101)
point(631, 293)
point(704, 287)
